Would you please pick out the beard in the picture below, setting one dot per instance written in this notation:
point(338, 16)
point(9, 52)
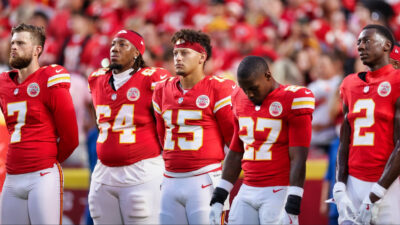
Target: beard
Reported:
point(20, 62)
point(115, 66)
point(181, 73)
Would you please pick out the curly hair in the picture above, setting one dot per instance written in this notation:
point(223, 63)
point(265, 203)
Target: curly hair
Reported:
point(193, 36)
point(37, 33)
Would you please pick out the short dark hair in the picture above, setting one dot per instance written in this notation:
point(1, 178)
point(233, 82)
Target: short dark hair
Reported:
point(252, 65)
point(383, 30)
point(193, 36)
point(37, 33)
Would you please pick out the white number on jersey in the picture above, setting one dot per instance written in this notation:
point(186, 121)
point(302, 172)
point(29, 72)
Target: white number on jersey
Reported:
point(263, 153)
point(19, 108)
point(364, 122)
point(196, 132)
point(123, 123)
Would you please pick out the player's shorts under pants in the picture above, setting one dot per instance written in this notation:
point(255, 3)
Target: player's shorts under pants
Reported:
point(388, 208)
point(258, 205)
point(33, 198)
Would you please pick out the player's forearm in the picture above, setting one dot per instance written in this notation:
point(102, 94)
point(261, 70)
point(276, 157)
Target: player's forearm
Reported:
point(298, 157)
point(343, 153)
point(392, 168)
point(232, 166)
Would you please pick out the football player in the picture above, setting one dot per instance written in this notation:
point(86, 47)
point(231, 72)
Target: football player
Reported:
point(40, 117)
point(125, 186)
point(270, 142)
point(368, 165)
point(194, 121)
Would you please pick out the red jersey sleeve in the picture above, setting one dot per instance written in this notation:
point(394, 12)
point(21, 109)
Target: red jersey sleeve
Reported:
point(157, 99)
point(302, 100)
point(300, 130)
point(236, 143)
point(60, 103)
point(223, 107)
point(157, 75)
point(302, 107)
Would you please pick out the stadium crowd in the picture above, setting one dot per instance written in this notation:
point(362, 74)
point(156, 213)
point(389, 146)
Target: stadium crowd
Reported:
point(306, 42)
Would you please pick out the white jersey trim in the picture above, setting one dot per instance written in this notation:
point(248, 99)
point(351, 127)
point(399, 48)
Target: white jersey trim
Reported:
point(202, 170)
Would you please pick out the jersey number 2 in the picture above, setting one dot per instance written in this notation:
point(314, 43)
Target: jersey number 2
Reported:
point(364, 122)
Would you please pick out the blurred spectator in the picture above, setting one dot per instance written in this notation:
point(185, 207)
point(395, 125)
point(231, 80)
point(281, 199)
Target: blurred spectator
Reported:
point(328, 76)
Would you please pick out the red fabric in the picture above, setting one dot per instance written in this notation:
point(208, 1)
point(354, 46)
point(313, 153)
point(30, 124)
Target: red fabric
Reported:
point(265, 133)
point(121, 145)
point(133, 38)
point(367, 160)
point(395, 54)
point(195, 131)
point(38, 146)
point(194, 46)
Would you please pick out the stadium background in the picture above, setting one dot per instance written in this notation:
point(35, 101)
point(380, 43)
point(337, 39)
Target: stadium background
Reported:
point(292, 35)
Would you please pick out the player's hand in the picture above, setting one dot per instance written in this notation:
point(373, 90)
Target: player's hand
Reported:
point(345, 207)
point(287, 218)
point(367, 212)
point(216, 213)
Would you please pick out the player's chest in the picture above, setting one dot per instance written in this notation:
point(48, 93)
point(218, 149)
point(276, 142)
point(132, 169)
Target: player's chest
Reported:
point(22, 101)
point(133, 92)
point(372, 101)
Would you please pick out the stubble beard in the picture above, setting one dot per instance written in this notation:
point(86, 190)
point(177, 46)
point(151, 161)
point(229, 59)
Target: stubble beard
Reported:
point(20, 62)
point(116, 66)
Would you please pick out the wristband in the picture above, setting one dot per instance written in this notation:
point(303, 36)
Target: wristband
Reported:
point(293, 203)
point(294, 190)
point(378, 190)
point(224, 184)
point(219, 195)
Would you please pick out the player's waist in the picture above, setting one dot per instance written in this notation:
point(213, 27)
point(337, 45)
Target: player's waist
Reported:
point(198, 172)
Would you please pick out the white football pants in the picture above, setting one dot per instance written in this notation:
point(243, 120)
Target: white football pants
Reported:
point(33, 198)
point(258, 205)
point(389, 207)
point(137, 204)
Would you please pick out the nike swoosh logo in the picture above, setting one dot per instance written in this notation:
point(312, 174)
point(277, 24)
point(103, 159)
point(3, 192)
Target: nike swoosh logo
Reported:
point(233, 86)
point(277, 190)
point(162, 77)
point(308, 92)
point(57, 71)
point(42, 174)
point(204, 186)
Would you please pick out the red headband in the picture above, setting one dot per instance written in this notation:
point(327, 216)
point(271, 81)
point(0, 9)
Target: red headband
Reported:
point(395, 54)
point(194, 46)
point(133, 38)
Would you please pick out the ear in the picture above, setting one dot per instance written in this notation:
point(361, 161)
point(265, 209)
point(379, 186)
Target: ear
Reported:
point(387, 46)
point(268, 75)
point(202, 58)
point(37, 50)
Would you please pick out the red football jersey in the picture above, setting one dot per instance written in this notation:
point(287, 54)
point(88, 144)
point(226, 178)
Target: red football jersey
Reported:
point(128, 131)
point(264, 133)
point(371, 105)
point(194, 126)
point(38, 112)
